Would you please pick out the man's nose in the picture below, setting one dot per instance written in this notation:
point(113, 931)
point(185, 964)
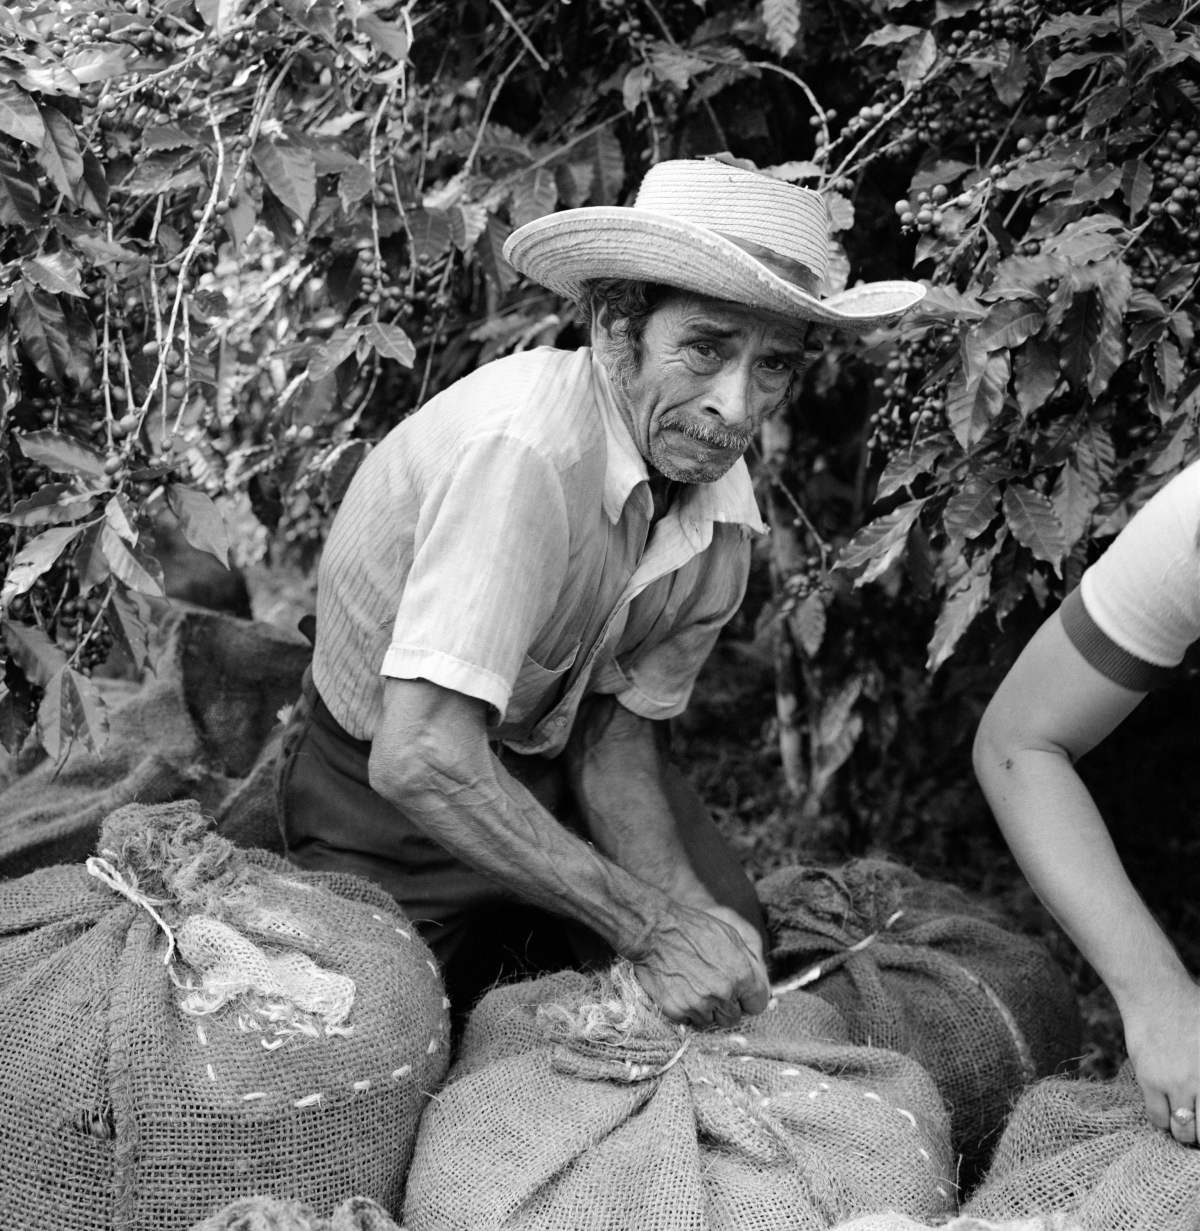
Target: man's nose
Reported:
point(730, 397)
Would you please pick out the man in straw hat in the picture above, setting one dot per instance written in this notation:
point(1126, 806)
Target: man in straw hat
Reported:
point(524, 581)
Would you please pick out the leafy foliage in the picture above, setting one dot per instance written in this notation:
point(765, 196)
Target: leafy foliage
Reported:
point(243, 238)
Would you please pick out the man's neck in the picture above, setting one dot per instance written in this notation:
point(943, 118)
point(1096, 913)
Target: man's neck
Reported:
point(661, 490)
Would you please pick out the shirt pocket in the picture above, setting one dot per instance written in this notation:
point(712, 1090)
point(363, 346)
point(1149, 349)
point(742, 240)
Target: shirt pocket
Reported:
point(535, 688)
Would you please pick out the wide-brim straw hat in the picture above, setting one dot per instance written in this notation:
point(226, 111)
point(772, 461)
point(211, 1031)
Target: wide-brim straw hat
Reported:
point(704, 225)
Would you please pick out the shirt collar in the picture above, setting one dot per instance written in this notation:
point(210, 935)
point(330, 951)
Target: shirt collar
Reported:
point(729, 499)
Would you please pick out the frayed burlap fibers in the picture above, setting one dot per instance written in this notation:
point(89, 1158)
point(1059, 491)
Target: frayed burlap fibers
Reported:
point(183, 1023)
point(574, 1104)
point(271, 1214)
point(1085, 1149)
point(921, 968)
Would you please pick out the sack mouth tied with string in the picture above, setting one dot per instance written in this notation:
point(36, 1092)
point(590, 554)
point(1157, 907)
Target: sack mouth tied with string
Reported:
point(184, 1023)
point(573, 1093)
point(920, 967)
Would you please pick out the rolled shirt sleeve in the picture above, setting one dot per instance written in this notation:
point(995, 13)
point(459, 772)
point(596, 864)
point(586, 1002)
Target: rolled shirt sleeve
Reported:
point(490, 557)
point(1138, 607)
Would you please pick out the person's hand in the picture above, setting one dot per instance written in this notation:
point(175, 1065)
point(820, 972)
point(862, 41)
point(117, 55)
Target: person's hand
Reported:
point(1162, 1035)
point(699, 968)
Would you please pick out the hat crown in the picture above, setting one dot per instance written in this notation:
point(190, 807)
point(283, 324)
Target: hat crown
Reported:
point(741, 205)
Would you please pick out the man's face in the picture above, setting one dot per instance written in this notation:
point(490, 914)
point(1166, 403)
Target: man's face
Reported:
point(710, 372)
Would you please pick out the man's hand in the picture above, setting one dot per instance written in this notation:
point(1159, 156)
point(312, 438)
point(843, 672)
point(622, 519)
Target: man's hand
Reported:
point(1163, 1038)
point(699, 967)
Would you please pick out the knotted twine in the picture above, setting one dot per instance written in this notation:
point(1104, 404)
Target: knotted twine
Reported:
point(574, 1094)
point(198, 883)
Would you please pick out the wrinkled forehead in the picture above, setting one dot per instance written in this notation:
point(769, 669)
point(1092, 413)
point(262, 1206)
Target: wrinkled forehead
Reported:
point(738, 320)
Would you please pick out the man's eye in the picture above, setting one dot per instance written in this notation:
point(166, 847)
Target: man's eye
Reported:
point(704, 351)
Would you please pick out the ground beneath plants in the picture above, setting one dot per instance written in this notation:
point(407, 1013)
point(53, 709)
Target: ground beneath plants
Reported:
point(1145, 778)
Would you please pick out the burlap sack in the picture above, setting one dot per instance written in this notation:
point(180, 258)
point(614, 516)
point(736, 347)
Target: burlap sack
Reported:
point(198, 726)
point(575, 1104)
point(1086, 1149)
point(897, 1222)
point(284, 1048)
point(271, 1214)
point(920, 968)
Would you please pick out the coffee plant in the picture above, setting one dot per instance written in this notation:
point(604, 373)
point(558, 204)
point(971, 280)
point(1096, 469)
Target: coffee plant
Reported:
point(243, 238)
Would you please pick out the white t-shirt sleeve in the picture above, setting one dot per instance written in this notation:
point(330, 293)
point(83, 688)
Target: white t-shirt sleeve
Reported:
point(1143, 594)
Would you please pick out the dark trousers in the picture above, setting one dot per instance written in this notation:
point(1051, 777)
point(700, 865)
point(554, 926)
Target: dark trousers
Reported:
point(331, 820)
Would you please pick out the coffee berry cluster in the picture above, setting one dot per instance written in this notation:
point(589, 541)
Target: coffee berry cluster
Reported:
point(913, 405)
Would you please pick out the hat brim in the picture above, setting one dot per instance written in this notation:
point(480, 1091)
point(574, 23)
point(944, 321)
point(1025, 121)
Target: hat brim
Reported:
point(564, 251)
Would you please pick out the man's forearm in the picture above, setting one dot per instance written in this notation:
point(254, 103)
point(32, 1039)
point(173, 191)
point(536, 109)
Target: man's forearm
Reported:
point(617, 768)
point(1060, 840)
point(482, 815)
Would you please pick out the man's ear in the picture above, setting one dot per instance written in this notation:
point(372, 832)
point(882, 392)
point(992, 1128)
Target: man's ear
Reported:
point(602, 331)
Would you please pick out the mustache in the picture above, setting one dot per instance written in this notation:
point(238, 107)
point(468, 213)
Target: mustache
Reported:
point(721, 438)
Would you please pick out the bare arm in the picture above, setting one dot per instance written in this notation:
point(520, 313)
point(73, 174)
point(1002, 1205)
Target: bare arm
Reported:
point(618, 762)
point(430, 758)
point(1052, 707)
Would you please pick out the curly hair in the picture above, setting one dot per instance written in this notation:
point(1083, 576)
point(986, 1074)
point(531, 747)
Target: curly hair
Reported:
point(627, 304)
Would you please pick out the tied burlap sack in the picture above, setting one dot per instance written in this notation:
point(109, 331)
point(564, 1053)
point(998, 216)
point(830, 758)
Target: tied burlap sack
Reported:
point(918, 967)
point(200, 725)
point(575, 1104)
point(183, 1023)
point(897, 1222)
point(271, 1214)
point(1086, 1149)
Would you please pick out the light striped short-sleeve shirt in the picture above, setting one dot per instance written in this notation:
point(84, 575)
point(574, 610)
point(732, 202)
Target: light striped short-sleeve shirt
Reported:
point(498, 543)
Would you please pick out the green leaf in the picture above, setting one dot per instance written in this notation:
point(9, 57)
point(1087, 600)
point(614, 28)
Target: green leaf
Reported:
point(971, 407)
point(120, 515)
point(807, 622)
point(943, 171)
point(782, 20)
point(958, 612)
point(1009, 324)
point(880, 543)
point(19, 116)
point(947, 303)
point(1035, 373)
point(387, 37)
point(602, 152)
point(1108, 351)
point(35, 558)
point(83, 709)
point(43, 329)
point(242, 216)
point(20, 204)
point(37, 656)
point(1088, 240)
point(841, 212)
point(1073, 505)
point(62, 454)
point(490, 248)
point(1105, 105)
point(130, 566)
point(354, 183)
point(1010, 80)
point(54, 505)
point(96, 64)
point(1034, 524)
point(201, 521)
point(1080, 330)
point(908, 464)
point(636, 85)
point(166, 172)
point(970, 510)
point(1162, 371)
point(534, 195)
point(60, 156)
point(1137, 183)
point(129, 619)
point(334, 353)
point(391, 342)
point(890, 34)
point(916, 59)
point(1097, 184)
point(55, 272)
point(291, 173)
point(92, 190)
point(1095, 455)
point(89, 559)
